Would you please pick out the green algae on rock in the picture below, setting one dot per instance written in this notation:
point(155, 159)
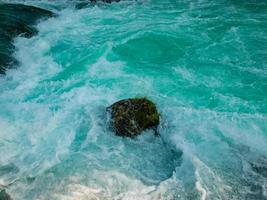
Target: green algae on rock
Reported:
point(129, 117)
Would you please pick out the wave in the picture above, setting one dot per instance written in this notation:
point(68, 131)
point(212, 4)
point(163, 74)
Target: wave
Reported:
point(54, 141)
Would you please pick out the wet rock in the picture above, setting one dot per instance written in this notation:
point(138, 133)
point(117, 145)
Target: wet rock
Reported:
point(129, 117)
point(4, 195)
point(16, 19)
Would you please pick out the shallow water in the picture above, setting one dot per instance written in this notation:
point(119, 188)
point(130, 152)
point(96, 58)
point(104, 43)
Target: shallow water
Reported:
point(203, 63)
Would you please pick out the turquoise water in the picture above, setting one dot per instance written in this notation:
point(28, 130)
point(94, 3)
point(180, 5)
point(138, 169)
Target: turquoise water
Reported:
point(204, 64)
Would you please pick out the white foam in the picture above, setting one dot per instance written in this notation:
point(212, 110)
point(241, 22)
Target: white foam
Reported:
point(41, 101)
point(116, 185)
point(201, 190)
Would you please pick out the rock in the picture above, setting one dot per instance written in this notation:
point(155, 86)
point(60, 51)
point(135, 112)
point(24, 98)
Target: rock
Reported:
point(16, 19)
point(4, 195)
point(129, 117)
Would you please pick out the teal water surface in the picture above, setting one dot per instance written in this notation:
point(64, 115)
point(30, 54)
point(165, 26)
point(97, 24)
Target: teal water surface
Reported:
point(204, 63)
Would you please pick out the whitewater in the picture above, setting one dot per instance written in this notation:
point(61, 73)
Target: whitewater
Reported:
point(204, 64)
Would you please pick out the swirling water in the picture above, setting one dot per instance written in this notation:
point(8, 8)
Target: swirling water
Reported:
point(204, 63)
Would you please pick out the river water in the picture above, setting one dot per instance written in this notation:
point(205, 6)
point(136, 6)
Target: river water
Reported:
point(204, 63)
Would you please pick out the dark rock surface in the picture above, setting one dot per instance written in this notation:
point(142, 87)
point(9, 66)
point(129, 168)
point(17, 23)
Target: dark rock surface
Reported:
point(129, 117)
point(16, 19)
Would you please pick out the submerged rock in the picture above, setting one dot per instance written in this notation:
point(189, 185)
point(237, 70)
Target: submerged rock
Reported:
point(16, 19)
point(4, 195)
point(129, 117)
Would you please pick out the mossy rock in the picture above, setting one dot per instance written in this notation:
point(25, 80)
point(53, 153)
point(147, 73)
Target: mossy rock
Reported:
point(129, 117)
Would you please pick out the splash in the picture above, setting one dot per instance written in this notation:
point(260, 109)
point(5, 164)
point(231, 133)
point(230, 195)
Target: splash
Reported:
point(202, 62)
